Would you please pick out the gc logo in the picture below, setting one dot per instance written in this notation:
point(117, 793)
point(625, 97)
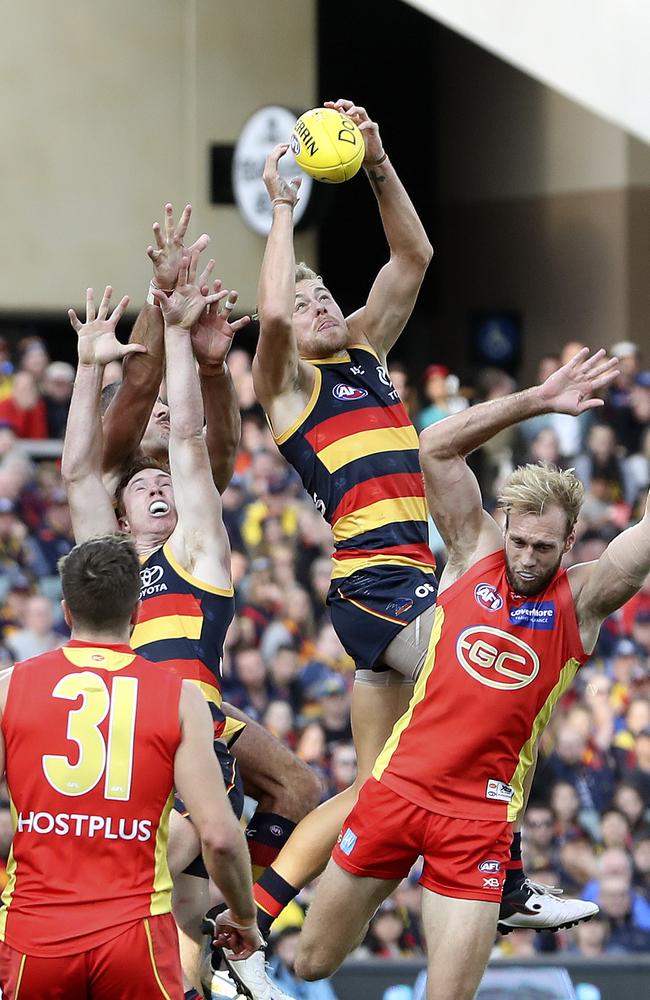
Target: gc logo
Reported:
point(496, 659)
point(150, 575)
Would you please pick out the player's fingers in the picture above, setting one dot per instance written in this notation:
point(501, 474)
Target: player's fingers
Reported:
point(239, 324)
point(90, 305)
point(590, 362)
point(271, 164)
point(105, 303)
point(158, 235)
point(230, 303)
point(183, 223)
point(169, 220)
point(606, 379)
point(152, 254)
point(342, 102)
point(133, 349)
point(193, 267)
point(216, 285)
point(578, 358)
point(75, 322)
point(199, 244)
point(120, 308)
point(590, 404)
point(295, 182)
point(607, 366)
point(217, 296)
point(207, 271)
point(182, 271)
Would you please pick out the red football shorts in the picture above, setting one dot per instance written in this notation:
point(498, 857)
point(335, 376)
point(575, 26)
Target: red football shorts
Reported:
point(141, 961)
point(385, 834)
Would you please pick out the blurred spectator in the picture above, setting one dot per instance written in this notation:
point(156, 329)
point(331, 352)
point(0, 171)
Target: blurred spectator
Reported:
point(282, 969)
point(33, 357)
point(387, 935)
point(629, 800)
point(441, 389)
point(591, 939)
point(538, 837)
point(38, 635)
point(334, 701)
point(249, 689)
point(24, 409)
point(615, 829)
point(591, 775)
point(342, 768)
point(601, 461)
point(628, 921)
point(636, 470)
point(54, 538)
point(6, 369)
point(399, 376)
point(639, 774)
point(57, 391)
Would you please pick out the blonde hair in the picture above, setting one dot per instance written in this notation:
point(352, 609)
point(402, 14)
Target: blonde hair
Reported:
point(531, 487)
point(305, 273)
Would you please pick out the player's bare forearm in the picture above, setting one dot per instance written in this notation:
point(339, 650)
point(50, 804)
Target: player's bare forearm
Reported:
point(229, 867)
point(128, 413)
point(463, 432)
point(404, 231)
point(183, 387)
point(223, 430)
point(82, 445)
point(277, 352)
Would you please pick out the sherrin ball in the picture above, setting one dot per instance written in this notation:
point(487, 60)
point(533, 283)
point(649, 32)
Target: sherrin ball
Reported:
point(327, 145)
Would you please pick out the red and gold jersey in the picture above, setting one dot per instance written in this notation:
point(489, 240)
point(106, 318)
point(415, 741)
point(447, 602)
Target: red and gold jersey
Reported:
point(496, 666)
point(90, 736)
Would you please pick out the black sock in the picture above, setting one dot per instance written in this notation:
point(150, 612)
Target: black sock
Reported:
point(266, 835)
point(514, 868)
point(271, 895)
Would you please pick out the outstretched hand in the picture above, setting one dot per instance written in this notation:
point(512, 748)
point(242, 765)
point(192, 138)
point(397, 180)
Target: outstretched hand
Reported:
point(98, 344)
point(369, 129)
point(572, 388)
point(277, 186)
point(167, 254)
point(186, 303)
point(213, 332)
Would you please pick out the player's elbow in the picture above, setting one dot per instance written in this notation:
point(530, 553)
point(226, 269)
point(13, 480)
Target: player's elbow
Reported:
point(222, 841)
point(434, 443)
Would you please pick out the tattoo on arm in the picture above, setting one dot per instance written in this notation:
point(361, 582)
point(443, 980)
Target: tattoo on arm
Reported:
point(376, 178)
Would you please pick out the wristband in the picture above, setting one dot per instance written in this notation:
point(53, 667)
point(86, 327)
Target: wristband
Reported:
point(375, 163)
point(150, 297)
point(282, 201)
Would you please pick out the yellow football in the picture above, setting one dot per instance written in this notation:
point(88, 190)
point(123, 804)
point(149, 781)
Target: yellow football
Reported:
point(327, 145)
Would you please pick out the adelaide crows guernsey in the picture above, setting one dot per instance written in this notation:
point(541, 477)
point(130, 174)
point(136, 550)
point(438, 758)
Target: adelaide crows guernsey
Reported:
point(183, 623)
point(496, 666)
point(90, 734)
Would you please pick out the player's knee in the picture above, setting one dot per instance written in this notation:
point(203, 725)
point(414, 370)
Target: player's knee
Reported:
point(313, 963)
point(300, 792)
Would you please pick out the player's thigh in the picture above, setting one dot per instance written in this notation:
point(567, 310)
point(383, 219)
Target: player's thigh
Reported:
point(25, 977)
point(459, 934)
point(375, 710)
point(341, 908)
point(272, 775)
point(142, 961)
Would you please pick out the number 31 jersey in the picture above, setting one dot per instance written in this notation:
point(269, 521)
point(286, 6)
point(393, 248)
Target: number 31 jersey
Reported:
point(90, 737)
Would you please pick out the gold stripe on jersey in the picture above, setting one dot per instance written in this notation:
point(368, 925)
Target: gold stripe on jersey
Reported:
point(363, 443)
point(99, 658)
point(161, 897)
point(313, 399)
point(384, 758)
point(378, 514)
point(185, 575)
point(526, 754)
point(167, 627)
point(8, 892)
point(152, 957)
point(345, 567)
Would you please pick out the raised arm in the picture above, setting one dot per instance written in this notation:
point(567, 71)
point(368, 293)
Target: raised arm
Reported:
point(393, 294)
point(126, 418)
point(91, 506)
point(601, 587)
point(198, 780)
point(453, 494)
point(276, 364)
point(199, 541)
point(211, 339)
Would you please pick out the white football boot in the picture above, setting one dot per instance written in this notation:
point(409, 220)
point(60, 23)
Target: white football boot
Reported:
point(251, 978)
point(542, 908)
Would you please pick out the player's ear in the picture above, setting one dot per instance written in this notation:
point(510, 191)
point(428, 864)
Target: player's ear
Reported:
point(124, 525)
point(569, 541)
point(66, 613)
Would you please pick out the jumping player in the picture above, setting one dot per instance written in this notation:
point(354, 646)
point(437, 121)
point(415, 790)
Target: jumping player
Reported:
point(338, 420)
point(511, 631)
point(87, 905)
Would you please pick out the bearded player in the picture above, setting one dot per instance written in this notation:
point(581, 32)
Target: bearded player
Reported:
point(512, 629)
point(337, 419)
point(86, 911)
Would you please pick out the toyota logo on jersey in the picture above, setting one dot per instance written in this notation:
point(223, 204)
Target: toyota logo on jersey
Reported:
point(486, 595)
point(151, 575)
point(496, 659)
point(348, 393)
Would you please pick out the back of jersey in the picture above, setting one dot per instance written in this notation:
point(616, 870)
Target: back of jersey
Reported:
point(90, 737)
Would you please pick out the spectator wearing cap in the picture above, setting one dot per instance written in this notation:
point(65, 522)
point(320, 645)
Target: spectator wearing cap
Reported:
point(441, 389)
point(37, 635)
point(57, 392)
point(24, 409)
point(334, 704)
point(282, 969)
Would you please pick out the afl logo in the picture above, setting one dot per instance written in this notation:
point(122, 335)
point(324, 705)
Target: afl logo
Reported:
point(348, 392)
point(496, 659)
point(486, 595)
point(151, 575)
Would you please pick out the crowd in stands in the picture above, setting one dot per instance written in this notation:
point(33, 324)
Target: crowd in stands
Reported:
point(587, 829)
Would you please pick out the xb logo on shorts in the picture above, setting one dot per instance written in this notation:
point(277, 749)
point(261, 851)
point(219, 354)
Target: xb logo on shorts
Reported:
point(151, 575)
point(496, 659)
point(348, 393)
